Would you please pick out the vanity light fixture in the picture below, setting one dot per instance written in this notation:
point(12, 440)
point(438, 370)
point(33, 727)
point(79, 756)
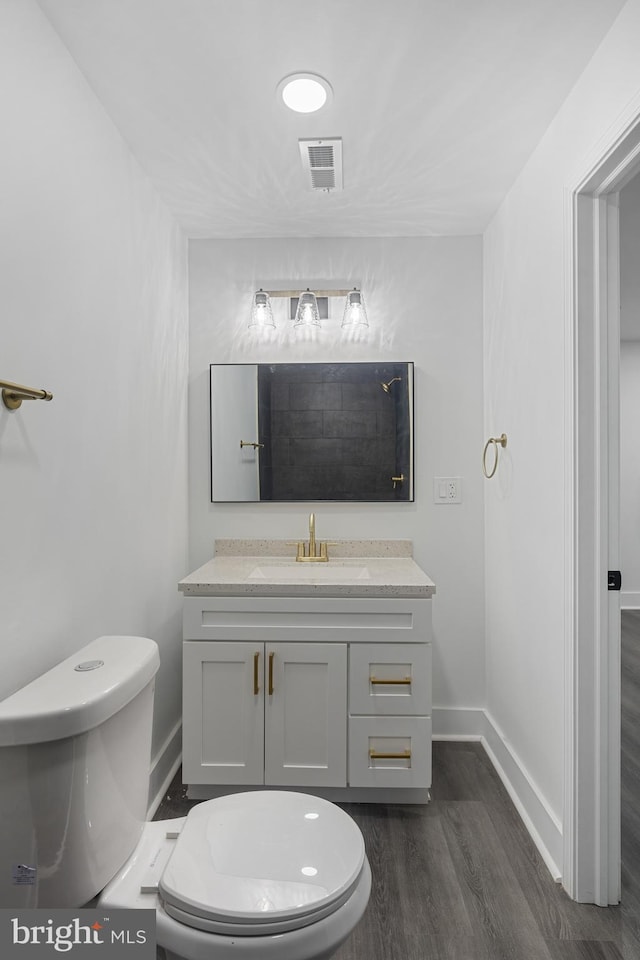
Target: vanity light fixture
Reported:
point(304, 92)
point(307, 315)
point(355, 314)
point(261, 312)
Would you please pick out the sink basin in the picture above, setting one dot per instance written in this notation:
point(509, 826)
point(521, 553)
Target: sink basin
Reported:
point(308, 571)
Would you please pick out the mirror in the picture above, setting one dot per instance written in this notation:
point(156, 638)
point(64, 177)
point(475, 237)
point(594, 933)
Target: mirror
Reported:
point(311, 431)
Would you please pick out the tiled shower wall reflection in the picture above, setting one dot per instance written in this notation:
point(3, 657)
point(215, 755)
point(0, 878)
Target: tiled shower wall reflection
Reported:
point(332, 433)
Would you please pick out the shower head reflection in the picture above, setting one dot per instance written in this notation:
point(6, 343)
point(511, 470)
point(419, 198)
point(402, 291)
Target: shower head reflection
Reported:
point(387, 386)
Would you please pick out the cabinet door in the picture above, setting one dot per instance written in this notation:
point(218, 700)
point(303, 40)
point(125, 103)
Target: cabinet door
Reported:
point(306, 714)
point(223, 712)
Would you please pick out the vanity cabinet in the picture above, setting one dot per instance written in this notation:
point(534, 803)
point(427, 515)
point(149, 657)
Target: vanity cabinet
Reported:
point(268, 714)
point(330, 695)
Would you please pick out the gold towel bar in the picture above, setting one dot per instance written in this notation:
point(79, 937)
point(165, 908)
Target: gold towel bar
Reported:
point(502, 440)
point(14, 393)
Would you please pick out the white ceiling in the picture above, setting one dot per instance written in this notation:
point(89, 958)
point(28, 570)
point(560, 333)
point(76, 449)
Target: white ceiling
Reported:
point(438, 103)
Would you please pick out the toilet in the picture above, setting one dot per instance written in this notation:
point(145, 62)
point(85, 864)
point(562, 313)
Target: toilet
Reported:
point(265, 874)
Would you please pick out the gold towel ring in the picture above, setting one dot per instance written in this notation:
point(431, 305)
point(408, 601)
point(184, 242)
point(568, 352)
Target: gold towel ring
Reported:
point(502, 440)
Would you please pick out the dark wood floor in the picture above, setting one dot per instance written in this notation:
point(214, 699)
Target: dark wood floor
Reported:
point(460, 879)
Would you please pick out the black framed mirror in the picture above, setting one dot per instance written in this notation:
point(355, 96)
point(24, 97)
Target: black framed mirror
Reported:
point(311, 431)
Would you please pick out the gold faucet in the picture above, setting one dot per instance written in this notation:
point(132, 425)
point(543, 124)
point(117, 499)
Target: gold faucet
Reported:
point(312, 534)
point(311, 552)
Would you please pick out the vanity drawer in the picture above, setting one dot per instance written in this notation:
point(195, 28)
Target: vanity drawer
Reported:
point(390, 751)
point(406, 668)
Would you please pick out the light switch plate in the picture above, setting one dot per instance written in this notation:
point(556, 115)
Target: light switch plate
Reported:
point(447, 489)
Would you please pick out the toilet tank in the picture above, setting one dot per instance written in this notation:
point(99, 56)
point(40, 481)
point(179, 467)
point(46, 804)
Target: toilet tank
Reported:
point(75, 746)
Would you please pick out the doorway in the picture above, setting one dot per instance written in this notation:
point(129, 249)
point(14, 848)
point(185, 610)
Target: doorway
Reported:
point(629, 487)
point(592, 865)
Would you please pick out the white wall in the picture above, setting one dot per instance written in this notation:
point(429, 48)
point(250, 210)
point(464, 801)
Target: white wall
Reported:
point(424, 302)
point(630, 473)
point(93, 505)
point(630, 260)
point(527, 281)
point(630, 393)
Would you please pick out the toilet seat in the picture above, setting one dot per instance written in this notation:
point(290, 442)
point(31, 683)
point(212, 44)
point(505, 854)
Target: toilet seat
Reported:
point(135, 887)
point(261, 863)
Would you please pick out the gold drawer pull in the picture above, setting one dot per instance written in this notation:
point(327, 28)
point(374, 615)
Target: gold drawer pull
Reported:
point(405, 681)
point(256, 685)
point(271, 656)
point(404, 755)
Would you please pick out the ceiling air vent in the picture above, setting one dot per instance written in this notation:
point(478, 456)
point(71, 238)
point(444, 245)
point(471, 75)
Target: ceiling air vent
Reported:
point(322, 163)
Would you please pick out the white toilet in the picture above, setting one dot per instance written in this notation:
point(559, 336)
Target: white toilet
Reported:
point(270, 875)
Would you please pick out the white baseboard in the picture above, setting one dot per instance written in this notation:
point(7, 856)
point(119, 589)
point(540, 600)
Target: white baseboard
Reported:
point(630, 600)
point(458, 723)
point(544, 827)
point(164, 767)
point(542, 824)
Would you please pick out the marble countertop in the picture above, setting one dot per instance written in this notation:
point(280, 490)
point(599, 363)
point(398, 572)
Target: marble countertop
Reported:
point(356, 568)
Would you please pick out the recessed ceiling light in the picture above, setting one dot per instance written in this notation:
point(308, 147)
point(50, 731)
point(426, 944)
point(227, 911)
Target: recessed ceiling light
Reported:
point(304, 92)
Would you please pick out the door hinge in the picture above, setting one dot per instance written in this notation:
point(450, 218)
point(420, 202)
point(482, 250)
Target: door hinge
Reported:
point(615, 580)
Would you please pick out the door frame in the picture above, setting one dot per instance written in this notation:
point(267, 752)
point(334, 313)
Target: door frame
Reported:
point(591, 868)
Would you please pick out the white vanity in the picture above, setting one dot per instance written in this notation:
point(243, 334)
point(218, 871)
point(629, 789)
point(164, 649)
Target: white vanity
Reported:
point(314, 676)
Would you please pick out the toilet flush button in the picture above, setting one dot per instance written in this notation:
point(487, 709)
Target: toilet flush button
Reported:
point(89, 665)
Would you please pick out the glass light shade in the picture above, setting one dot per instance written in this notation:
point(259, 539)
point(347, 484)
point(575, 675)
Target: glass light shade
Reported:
point(304, 92)
point(261, 312)
point(307, 314)
point(355, 314)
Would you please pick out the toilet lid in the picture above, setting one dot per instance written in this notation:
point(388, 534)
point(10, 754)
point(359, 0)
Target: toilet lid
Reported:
point(266, 858)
